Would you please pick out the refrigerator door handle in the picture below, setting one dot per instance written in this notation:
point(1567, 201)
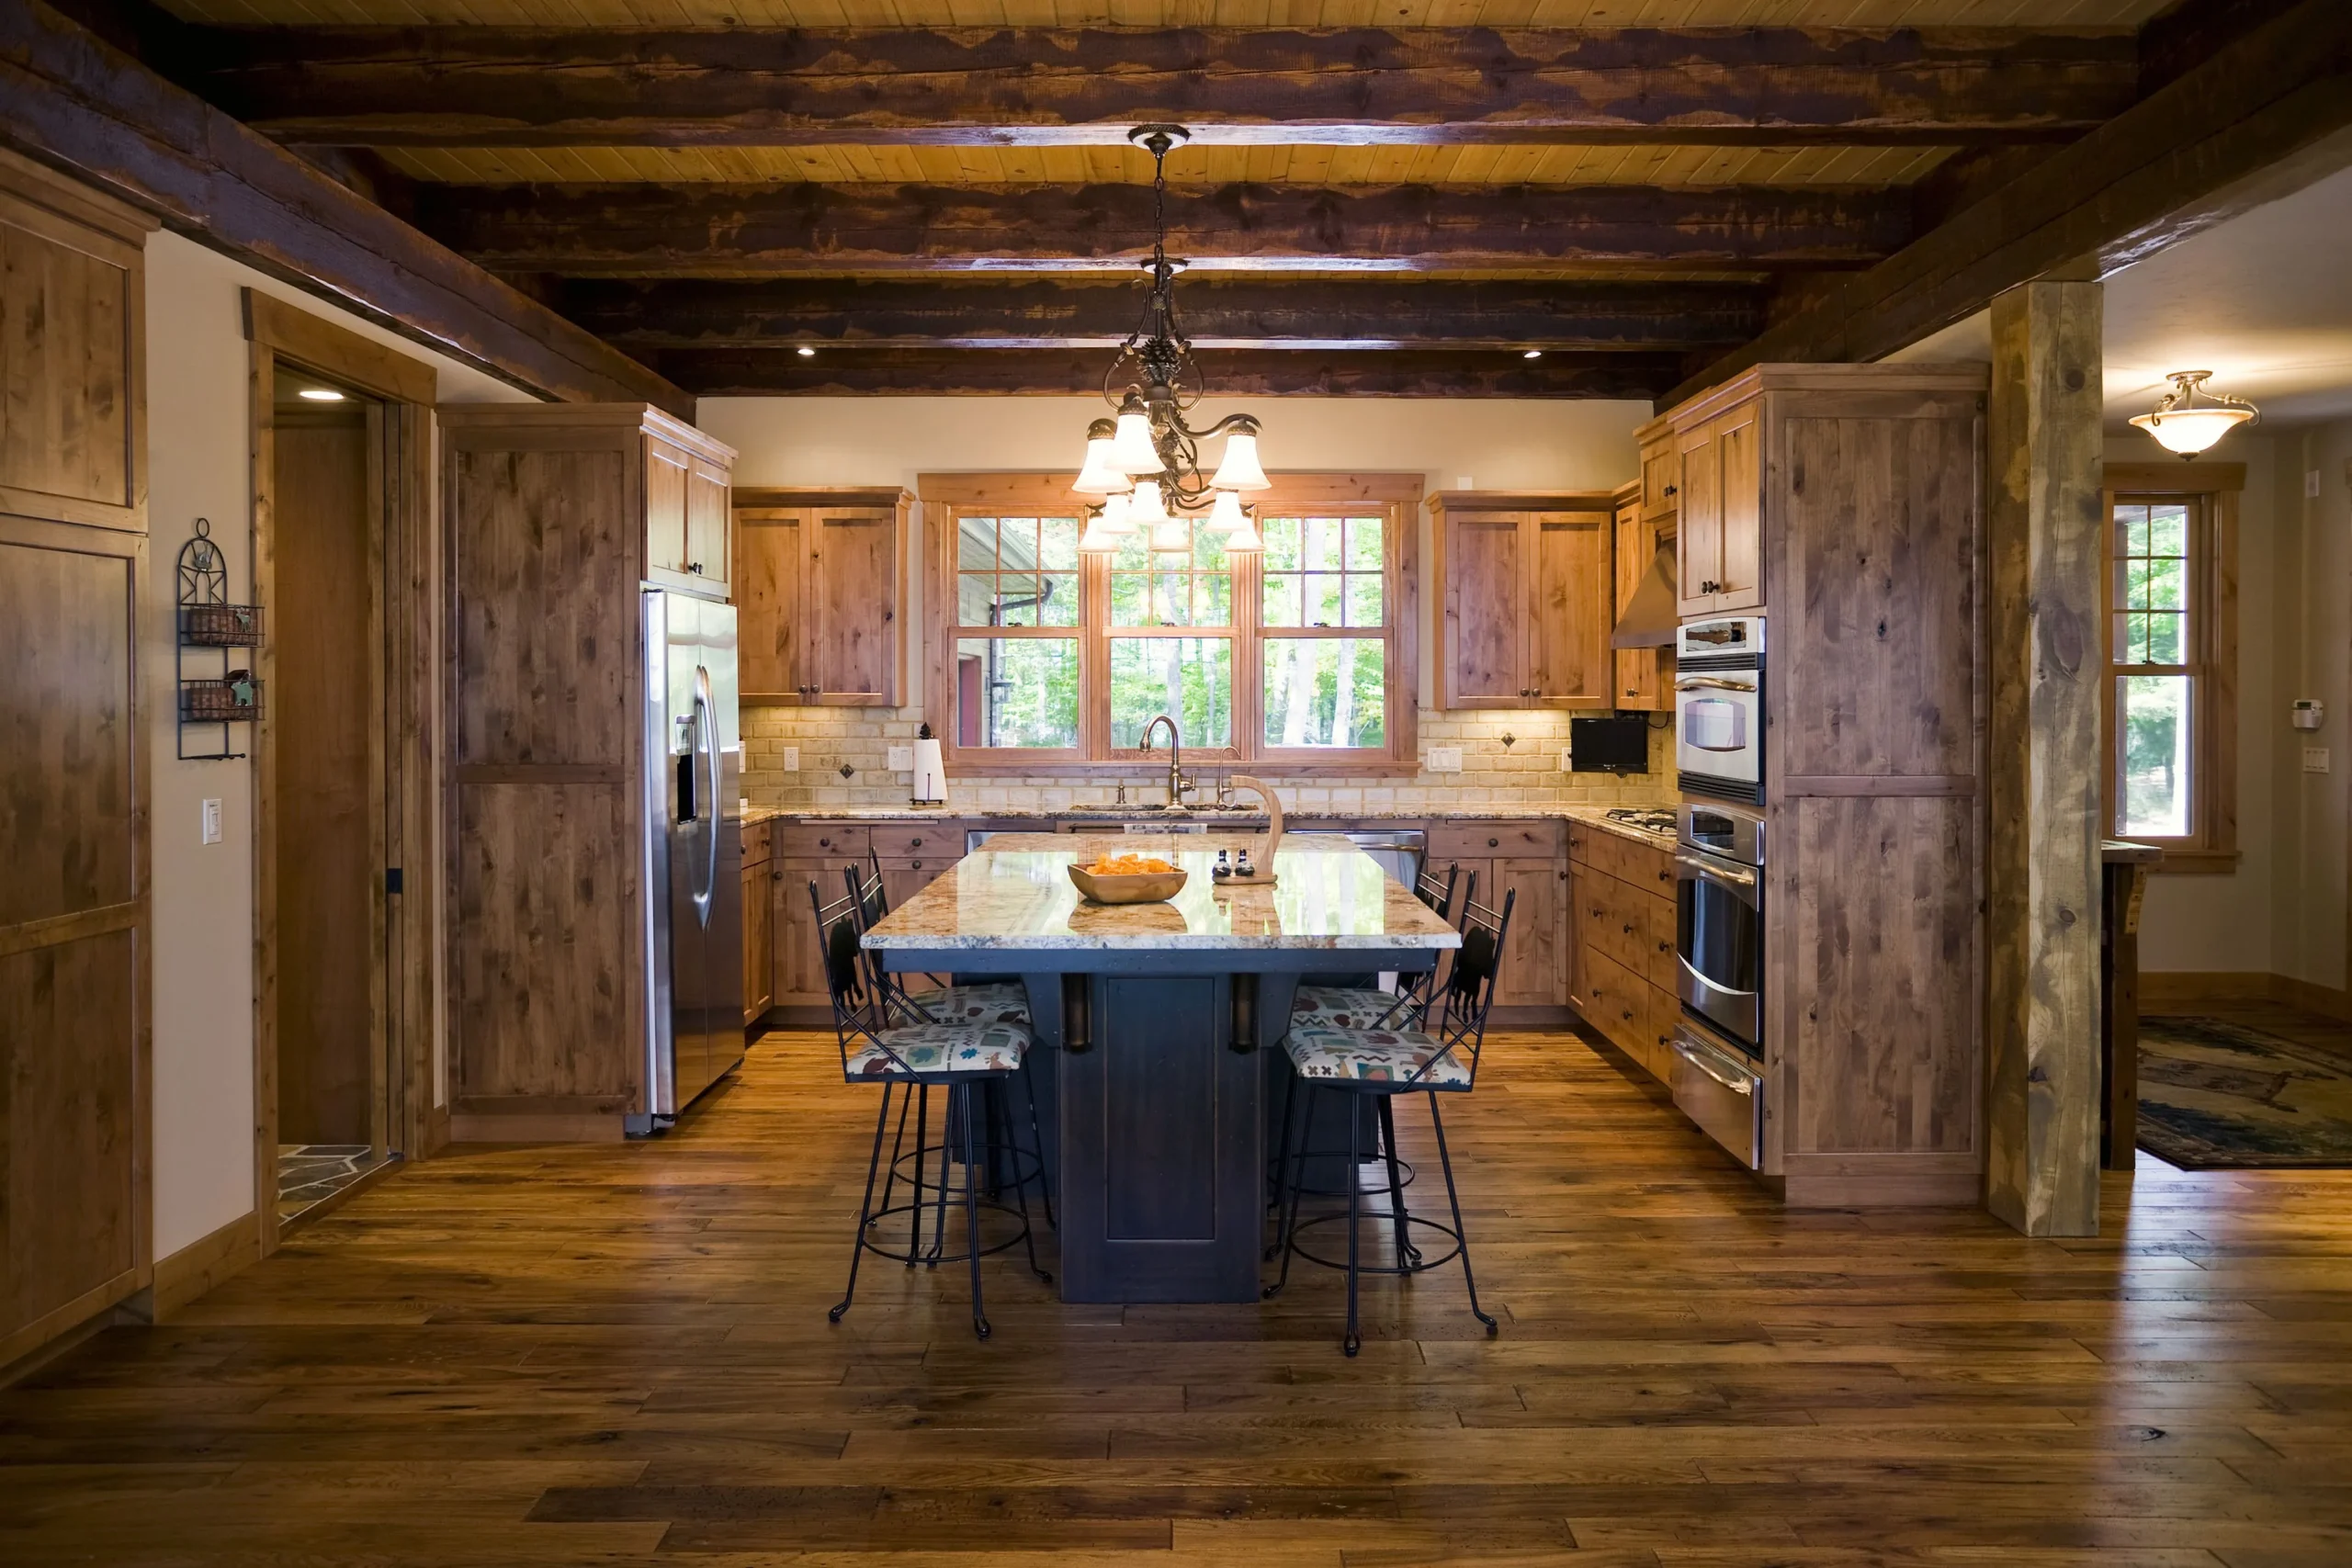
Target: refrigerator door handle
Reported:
point(706, 734)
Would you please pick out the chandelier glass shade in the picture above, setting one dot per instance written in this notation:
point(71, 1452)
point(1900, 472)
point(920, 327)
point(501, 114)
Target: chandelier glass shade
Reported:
point(1153, 384)
point(2182, 425)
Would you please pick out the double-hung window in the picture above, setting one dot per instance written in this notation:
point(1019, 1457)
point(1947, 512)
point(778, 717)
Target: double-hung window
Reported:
point(2171, 637)
point(1301, 655)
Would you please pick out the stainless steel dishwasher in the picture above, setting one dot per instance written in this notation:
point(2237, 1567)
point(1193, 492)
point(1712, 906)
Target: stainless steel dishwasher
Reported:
point(1398, 851)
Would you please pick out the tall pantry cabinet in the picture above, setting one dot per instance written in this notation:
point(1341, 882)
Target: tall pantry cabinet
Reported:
point(555, 514)
point(74, 901)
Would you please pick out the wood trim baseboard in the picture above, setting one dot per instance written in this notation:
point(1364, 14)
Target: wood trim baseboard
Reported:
point(2170, 990)
point(192, 1271)
point(555, 1127)
point(65, 1318)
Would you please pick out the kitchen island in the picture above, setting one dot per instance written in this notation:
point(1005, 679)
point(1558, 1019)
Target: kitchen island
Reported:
point(1156, 1026)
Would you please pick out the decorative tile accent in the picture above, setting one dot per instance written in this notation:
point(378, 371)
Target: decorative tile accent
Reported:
point(308, 1174)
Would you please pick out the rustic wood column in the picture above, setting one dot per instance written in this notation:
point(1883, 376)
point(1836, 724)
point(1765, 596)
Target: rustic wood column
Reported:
point(2042, 865)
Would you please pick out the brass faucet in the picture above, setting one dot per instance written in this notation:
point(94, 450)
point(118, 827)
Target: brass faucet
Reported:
point(1177, 783)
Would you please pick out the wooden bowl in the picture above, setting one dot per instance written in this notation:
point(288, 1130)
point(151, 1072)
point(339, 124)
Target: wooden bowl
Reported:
point(1148, 888)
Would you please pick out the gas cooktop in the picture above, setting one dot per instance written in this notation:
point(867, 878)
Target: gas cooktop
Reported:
point(1653, 818)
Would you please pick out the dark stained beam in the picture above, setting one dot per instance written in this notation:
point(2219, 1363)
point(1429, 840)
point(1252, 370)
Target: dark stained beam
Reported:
point(1064, 313)
point(719, 231)
point(2266, 113)
point(720, 372)
point(484, 86)
point(75, 102)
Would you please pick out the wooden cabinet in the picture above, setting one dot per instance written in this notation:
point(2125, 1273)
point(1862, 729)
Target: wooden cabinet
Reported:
point(818, 578)
point(1661, 481)
point(1520, 857)
point(1719, 538)
point(759, 926)
point(75, 922)
point(1527, 592)
point(1621, 920)
point(1644, 675)
point(686, 516)
point(548, 507)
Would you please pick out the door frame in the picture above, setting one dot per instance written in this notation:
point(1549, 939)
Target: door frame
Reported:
point(404, 524)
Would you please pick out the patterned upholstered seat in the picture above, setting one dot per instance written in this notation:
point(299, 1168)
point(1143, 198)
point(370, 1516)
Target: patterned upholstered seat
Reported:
point(996, 1003)
point(1380, 1056)
point(1350, 1007)
point(943, 1048)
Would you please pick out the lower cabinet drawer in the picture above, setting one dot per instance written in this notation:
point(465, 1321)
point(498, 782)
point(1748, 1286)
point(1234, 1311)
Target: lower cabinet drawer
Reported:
point(1617, 1003)
point(1458, 841)
point(1612, 920)
point(820, 839)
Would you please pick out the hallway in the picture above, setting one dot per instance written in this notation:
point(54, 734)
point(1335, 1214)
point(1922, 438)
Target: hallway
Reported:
point(601, 1354)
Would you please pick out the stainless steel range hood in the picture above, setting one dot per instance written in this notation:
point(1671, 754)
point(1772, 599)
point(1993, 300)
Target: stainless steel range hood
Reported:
point(1651, 614)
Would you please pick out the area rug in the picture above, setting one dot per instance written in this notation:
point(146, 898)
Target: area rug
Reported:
point(2217, 1096)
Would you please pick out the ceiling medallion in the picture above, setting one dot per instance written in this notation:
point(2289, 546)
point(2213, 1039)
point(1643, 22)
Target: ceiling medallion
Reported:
point(2180, 424)
point(1145, 462)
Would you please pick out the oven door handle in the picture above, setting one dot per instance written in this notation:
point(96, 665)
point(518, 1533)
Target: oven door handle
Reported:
point(1738, 1081)
point(1711, 683)
point(1729, 877)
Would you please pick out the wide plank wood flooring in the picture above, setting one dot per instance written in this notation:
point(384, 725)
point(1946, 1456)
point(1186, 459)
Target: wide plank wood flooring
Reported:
point(607, 1354)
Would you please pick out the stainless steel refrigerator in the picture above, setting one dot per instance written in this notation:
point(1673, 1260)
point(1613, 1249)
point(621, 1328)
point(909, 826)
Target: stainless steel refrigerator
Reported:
point(691, 852)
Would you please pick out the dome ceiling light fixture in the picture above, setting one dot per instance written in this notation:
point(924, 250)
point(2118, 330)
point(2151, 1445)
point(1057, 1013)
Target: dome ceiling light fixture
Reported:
point(1150, 453)
point(2182, 425)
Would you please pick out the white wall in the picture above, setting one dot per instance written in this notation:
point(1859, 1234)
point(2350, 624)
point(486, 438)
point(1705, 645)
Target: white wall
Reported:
point(198, 444)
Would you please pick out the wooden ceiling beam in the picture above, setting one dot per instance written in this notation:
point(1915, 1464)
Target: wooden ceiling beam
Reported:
point(2266, 113)
point(490, 86)
point(719, 231)
point(83, 105)
point(1064, 313)
point(1447, 372)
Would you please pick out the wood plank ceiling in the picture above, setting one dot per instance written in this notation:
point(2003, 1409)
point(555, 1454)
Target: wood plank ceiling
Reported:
point(1398, 196)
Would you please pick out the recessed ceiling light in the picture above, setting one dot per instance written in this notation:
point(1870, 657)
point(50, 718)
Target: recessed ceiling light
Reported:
point(1533, 353)
point(322, 394)
point(805, 351)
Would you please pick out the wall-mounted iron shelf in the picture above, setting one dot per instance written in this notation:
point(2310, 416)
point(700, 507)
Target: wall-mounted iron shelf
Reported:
point(212, 700)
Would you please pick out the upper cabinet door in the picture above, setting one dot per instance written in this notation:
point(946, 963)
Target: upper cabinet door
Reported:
point(772, 632)
point(1699, 530)
point(1488, 592)
point(666, 470)
point(706, 540)
point(856, 654)
point(1569, 662)
point(1740, 571)
point(1661, 481)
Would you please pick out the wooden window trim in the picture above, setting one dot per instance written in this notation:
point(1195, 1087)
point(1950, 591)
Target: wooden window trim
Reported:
point(2212, 849)
point(947, 498)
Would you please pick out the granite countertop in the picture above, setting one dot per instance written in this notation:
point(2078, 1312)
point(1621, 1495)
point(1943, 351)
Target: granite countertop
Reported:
point(1598, 815)
point(1016, 894)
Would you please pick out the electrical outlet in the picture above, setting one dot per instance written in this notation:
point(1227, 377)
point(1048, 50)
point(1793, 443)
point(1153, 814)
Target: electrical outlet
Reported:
point(211, 822)
point(1445, 759)
point(2315, 759)
point(902, 758)
point(792, 758)
point(1563, 760)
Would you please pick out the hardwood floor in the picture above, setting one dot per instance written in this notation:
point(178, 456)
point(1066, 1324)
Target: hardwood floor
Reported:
point(620, 1354)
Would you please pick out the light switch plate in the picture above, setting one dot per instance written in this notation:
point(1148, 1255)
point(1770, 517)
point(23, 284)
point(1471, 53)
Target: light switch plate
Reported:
point(1445, 759)
point(902, 758)
point(2315, 759)
point(792, 758)
point(211, 822)
point(2310, 484)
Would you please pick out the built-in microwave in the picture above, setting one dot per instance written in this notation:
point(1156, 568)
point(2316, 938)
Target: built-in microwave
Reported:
point(1719, 708)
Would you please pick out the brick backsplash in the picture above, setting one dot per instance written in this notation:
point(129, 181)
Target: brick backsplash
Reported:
point(1526, 773)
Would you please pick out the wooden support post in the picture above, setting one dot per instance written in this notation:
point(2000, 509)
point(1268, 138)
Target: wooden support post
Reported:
point(2043, 866)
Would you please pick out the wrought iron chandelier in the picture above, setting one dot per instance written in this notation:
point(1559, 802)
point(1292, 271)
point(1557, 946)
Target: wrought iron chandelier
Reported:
point(1145, 462)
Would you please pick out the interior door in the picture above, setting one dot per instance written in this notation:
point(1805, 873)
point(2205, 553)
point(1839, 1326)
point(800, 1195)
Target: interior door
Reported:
point(1486, 593)
point(1571, 665)
point(853, 602)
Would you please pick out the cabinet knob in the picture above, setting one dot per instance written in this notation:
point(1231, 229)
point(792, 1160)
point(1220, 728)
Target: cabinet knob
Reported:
point(1629, 930)
point(1666, 947)
point(1666, 876)
point(1494, 843)
point(1629, 1015)
point(695, 566)
point(918, 865)
point(1670, 490)
point(914, 843)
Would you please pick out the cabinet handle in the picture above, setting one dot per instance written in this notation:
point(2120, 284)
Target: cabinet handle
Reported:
point(695, 566)
point(1670, 490)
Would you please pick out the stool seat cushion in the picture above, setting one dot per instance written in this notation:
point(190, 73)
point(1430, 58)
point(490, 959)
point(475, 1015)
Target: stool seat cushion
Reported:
point(927, 1048)
point(1375, 1056)
point(1349, 1007)
point(997, 1003)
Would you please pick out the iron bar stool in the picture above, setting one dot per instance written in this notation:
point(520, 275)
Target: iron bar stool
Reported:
point(991, 1002)
point(1443, 1059)
point(959, 1057)
point(1367, 1007)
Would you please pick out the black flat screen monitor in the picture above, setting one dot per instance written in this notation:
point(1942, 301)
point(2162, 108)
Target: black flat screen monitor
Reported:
point(1617, 745)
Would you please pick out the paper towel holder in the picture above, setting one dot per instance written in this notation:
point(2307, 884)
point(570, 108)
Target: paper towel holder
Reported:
point(930, 772)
